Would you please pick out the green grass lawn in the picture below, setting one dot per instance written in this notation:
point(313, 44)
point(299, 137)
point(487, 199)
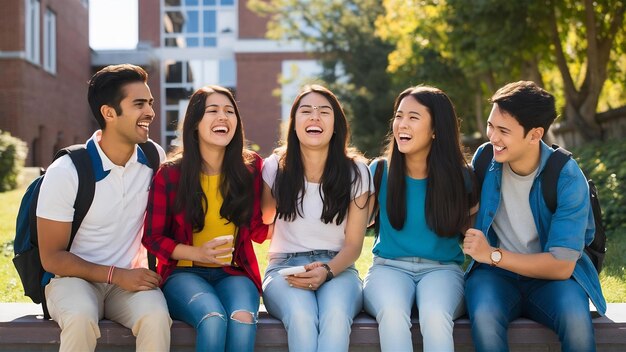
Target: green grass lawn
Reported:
point(10, 285)
point(613, 277)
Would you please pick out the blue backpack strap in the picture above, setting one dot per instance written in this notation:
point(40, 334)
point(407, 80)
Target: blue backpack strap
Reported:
point(152, 154)
point(550, 175)
point(86, 186)
point(84, 195)
point(154, 161)
point(481, 164)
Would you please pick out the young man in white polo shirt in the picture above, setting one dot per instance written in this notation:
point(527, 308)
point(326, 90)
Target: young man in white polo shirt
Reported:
point(104, 274)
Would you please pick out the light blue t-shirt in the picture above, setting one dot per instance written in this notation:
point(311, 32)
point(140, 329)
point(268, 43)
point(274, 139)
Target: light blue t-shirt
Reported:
point(415, 239)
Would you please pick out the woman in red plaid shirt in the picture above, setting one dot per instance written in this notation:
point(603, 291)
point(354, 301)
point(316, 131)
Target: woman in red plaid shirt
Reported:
point(203, 212)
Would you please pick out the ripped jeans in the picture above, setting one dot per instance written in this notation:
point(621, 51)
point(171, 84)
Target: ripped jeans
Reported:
point(318, 320)
point(208, 299)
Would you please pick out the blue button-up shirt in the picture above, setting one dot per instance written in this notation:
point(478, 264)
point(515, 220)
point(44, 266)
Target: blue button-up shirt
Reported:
point(571, 226)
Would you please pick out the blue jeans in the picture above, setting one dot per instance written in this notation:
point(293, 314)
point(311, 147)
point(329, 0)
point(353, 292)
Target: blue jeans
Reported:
point(207, 298)
point(390, 289)
point(495, 297)
point(315, 320)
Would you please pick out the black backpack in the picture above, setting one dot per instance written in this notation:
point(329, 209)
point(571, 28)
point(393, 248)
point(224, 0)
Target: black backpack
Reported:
point(596, 250)
point(27, 261)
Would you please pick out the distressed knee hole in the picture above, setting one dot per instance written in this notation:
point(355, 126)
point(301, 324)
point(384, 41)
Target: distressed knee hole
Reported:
point(241, 316)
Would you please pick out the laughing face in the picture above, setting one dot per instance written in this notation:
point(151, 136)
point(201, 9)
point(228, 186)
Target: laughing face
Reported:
point(132, 124)
point(412, 127)
point(217, 126)
point(509, 142)
point(315, 121)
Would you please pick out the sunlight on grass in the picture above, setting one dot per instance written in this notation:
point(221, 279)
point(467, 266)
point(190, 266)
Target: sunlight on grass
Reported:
point(10, 285)
point(613, 287)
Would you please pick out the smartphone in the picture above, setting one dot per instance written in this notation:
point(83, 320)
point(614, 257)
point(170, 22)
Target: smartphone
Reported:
point(292, 270)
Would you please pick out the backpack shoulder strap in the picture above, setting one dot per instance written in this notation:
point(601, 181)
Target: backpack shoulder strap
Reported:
point(86, 184)
point(152, 154)
point(550, 175)
point(482, 163)
point(154, 160)
point(378, 179)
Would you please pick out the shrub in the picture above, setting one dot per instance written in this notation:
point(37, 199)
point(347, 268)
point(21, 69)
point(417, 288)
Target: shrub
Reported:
point(605, 164)
point(12, 156)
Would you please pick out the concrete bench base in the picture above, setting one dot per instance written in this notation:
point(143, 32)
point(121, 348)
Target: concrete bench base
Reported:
point(23, 329)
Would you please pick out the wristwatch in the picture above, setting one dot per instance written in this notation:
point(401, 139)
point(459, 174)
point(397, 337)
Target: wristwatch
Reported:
point(496, 256)
point(329, 273)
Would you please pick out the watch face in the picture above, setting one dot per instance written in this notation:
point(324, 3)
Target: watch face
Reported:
point(496, 256)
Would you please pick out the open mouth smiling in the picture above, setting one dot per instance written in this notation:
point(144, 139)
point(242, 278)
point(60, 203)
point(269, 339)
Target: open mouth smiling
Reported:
point(314, 130)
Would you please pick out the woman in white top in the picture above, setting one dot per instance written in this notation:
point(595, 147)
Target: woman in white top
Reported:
point(316, 193)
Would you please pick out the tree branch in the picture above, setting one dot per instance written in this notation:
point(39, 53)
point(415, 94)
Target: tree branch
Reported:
point(569, 87)
point(611, 114)
point(605, 43)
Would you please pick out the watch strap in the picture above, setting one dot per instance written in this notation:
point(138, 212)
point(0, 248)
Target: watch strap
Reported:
point(329, 272)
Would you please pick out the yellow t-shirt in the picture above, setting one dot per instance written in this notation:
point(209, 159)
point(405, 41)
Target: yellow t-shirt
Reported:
point(214, 224)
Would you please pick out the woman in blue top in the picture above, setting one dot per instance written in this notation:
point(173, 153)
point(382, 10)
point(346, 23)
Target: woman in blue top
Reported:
point(426, 198)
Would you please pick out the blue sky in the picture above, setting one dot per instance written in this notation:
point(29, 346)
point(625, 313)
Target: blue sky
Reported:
point(112, 24)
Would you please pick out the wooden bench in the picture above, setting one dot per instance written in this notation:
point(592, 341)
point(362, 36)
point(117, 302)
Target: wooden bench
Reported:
point(23, 329)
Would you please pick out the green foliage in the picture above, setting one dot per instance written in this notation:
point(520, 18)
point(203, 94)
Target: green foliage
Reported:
point(12, 155)
point(470, 48)
point(353, 58)
point(605, 164)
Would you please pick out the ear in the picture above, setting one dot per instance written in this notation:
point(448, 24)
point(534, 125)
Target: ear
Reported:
point(108, 112)
point(536, 134)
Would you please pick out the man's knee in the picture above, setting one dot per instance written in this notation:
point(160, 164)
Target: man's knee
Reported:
point(79, 322)
point(154, 320)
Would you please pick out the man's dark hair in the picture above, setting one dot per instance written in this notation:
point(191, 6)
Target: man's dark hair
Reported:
point(106, 87)
point(529, 104)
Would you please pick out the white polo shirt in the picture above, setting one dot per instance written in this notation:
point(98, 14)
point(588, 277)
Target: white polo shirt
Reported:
point(111, 232)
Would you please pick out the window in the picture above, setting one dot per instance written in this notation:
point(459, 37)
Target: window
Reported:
point(199, 23)
point(50, 41)
point(181, 79)
point(32, 31)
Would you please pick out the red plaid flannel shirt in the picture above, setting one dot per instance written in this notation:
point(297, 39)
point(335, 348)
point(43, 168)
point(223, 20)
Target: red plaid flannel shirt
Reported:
point(164, 229)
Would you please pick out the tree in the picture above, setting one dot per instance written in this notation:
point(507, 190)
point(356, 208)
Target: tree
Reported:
point(601, 24)
point(341, 34)
point(573, 46)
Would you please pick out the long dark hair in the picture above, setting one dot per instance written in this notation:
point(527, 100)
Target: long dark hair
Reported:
point(340, 171)
point(448, 200)
point(236, 185)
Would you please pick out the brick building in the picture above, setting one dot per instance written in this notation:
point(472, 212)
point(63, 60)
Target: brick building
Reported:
point(186, 44)
point(45, 62)
point(183, 45)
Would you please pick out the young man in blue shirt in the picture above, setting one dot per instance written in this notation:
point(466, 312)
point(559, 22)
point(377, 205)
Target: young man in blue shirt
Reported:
point(528, 261)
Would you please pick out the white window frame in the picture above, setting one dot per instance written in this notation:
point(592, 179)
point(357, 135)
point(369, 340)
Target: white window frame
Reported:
point(222, 39)
point(50, 42)
point(33, 33)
